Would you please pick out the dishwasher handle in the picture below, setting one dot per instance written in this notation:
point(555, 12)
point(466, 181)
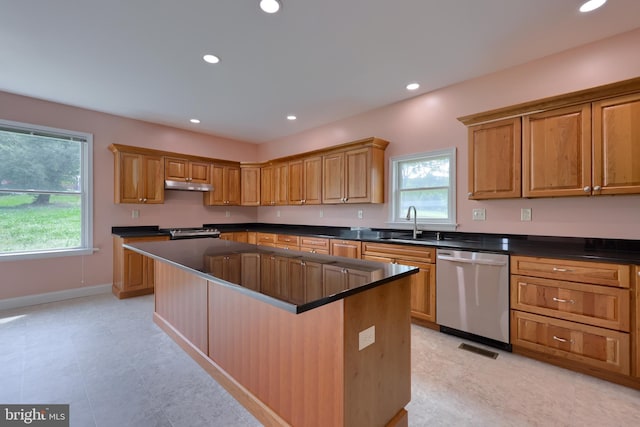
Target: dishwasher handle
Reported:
point(472, 261)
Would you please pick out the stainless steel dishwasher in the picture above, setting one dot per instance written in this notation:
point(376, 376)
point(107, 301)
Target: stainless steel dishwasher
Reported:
point(472, 295)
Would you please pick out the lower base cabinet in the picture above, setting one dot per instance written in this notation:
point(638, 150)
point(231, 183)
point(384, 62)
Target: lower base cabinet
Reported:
point(133, 273)
point(423, 284)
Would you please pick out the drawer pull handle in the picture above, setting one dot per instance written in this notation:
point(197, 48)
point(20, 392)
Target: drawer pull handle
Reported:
point(562, 339)
point(562, 270)
point(570, 301)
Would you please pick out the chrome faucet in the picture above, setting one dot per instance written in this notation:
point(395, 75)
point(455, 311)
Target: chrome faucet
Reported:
point(416, 232)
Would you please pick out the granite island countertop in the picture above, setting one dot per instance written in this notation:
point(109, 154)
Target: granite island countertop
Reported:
point(265, 272)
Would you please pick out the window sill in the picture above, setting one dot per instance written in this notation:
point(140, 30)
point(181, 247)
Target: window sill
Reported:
point(16, 256)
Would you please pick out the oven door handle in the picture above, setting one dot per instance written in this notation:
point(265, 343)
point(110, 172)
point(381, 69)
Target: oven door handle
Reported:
point(472, 261)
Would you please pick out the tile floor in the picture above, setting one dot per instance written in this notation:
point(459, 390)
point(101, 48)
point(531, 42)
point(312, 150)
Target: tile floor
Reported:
point(116, 368)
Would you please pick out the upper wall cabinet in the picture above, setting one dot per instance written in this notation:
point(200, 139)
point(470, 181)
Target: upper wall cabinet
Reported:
point(184, 170)
point(616, 145)
point(556, 159)
point(584, 143)
point(494, 160)
point(354, 175)
point(139, 178)
point(250, 185)
point(305, 181)
point(273, 184)
point(226, 186)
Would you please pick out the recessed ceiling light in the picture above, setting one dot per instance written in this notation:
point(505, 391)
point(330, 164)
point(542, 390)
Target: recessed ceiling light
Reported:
point(270, 6)
point(413, 86)
point(590, 5)
point(291, 117)
point(211, 59)
point(194, 121)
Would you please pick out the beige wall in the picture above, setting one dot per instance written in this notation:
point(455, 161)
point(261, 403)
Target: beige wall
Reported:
point(181, 209)
point(429, 122)
point(423, 123)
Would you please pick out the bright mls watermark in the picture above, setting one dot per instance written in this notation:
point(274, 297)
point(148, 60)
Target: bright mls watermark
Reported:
point(34, 415)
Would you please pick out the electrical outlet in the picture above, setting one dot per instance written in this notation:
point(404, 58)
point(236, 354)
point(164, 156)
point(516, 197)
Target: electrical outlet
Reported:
point(321, 213)
point(227, 214)
point(366, 337)
point(360, 213)
point(479, 214)
point(135, 213)
point(278, 213)
point(525, 214)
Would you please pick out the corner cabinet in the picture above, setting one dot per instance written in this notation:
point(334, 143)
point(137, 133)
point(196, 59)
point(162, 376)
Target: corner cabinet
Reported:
point(494, 160)
point(139, 178)
point(133, 273)
point(354, 175)
point(226, 186)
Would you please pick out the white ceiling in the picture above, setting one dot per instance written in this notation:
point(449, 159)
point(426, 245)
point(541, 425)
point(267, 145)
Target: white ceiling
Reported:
point(321, 60)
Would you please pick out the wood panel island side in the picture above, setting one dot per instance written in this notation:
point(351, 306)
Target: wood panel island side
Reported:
point(298, 339)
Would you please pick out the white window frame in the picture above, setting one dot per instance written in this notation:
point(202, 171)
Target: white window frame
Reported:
point(86, 192)
point(444, 224)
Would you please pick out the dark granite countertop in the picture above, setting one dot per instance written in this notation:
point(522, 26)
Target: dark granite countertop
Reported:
point(139, 231)
point(335, 278)
point(578, 248)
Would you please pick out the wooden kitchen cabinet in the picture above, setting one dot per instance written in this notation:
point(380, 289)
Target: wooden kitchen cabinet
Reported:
point(235, 236)
point(305, 181)
point(576, 314)
point(556, 154)
point(249, 185)
point(287, 241)
point(273, 184)
point(225, 267)
point(616, 145)
point(133, 273)
point(139, 178)
point(314, 245)
point(354, 175)
point(226, 186)
point(337, 278)
point(266, 239)
point(635, 324)
point(185, 170)
point(423, 284)
point(345, 248)
point(494, 160)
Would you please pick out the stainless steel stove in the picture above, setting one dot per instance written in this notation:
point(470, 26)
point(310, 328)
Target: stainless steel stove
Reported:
point(193, 233)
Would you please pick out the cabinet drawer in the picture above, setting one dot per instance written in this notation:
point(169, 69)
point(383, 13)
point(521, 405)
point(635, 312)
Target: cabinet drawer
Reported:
point(602, 306)
point(314, 242)
point(314, 250)
point(418, 253)
point(263, 238)
point(286, 239)
point(287, 246)
point(597, 273)
point(588, 345)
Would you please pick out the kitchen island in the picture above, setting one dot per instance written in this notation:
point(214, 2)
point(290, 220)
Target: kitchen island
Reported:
point(296, 338)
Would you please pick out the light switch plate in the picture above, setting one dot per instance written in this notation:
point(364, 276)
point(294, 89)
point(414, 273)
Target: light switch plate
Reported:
point(366, 337)
point(525, 214)
point(479, 214)
point(360, 213)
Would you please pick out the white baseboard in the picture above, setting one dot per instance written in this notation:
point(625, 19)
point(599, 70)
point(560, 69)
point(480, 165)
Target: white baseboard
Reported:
point(28, 300)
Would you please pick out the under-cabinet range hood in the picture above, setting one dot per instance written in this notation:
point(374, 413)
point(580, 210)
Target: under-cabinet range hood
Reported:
point(187, 186)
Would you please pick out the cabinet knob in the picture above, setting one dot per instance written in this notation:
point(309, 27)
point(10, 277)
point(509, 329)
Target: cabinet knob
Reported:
point(144, 200)
point(303, 201)
point(140, 200)
point(587, 189)
point(597, 188)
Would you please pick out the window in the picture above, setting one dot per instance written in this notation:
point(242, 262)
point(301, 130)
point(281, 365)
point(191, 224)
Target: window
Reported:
point(45, 191)
point(426, 181)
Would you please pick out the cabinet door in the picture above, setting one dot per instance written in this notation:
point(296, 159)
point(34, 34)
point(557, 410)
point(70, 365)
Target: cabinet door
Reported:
point(333, 178)
point(281, 184)
point(200, 172)
point(134, 270)
point(130, 178)
point(296, 181)
point(635, 328)
point(494, 160)
point(616, 145)
point(345, 248)
point(232, 185)
point(312, 181)
point(357, 176)
point(250, 272)
point(556, 155)
point(266, 186)
point(216, 197)
point(153, 176)
point(423, 290)
point(250, 185)
point(176, 169)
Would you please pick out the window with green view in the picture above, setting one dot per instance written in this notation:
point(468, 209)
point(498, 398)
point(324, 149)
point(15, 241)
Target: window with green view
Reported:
point(45, 200)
